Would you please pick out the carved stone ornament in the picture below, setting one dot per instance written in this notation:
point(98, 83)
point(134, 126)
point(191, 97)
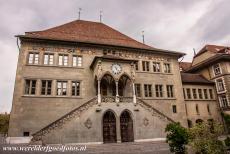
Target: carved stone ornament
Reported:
point(88, 123)
point(146, 121)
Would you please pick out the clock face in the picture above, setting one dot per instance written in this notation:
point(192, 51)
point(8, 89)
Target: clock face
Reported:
point(116, 68)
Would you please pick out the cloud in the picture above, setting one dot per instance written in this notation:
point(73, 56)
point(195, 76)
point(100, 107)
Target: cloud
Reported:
point(168, 24)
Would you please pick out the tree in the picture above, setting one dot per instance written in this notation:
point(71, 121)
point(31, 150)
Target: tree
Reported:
point(177, 137)
point(4, 123)
point(204, 138)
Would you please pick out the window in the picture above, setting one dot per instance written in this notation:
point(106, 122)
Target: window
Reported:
point(46, 87)
point(63, 60)
point(223, 101)
point(220, 85)
point(138, 90)
point(136, 65)
point(200, 93)
point(188, 91)
point(208, 109)
point(170, 91)
point(77, 61)
point(210, 93)
point(205, 94)
point(48, 59)
point(156, 67)
point(159, 90)
point(30, 87)
point(167, 68)
point(216, 69)
point(197, 109)
point(145, 65)
point(194, 93)
point(75, 88)
point(33, 58)
point(148, 90)
point(26, 133)
point(174, 109)
point(62, 88)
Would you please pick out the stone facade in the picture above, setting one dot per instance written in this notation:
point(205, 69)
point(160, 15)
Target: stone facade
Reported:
point(148, 95)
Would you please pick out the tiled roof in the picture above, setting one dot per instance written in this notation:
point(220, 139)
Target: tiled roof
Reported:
point(213, 49)
point(194, 78)
point(185, 65)
point(88, 32)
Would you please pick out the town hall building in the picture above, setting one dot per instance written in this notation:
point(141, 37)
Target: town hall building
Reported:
point(85, 82)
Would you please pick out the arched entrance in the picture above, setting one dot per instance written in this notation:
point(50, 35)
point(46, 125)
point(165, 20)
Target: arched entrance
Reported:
point(125, 86)
point(108, 87)
point(126, 127)
point(109, 128)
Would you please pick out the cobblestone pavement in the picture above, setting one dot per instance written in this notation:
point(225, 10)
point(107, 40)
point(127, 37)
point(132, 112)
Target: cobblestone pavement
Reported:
point(115, 148)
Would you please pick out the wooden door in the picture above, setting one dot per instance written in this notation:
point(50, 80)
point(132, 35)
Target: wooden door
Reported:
point(109, 128)
point(126, 127)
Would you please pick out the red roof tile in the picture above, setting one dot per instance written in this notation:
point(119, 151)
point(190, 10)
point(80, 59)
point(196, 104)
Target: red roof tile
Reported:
point(88, 32)
point(213, 49)
point(194, 78)
point(185, 65)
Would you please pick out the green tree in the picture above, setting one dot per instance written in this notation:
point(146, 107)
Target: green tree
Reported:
point(204, 138)
point(177, 137)
point(4, 123)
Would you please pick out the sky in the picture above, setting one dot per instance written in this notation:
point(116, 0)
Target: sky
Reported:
point(178, 25)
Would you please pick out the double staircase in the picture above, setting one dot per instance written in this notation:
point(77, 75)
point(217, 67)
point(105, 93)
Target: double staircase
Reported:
point(94, 101)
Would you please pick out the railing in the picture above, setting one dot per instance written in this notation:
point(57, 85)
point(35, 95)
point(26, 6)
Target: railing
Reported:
point(112, 99)
point(72, 114)
point(154, 111)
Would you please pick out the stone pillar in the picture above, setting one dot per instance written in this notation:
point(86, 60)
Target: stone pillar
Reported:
point(99, 91)
point(117, 95)
point(134, 94)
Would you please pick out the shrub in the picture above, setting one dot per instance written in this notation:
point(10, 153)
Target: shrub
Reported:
point(177, 137)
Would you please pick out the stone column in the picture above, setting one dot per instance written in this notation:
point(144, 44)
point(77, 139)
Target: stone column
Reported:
point(117, 95)
point(134, 94)
point(99, 91)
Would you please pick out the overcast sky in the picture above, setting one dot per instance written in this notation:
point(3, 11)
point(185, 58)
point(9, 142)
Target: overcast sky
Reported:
point(179, 25)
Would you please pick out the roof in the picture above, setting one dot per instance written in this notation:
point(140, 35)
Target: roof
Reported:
point(194, 78)
point(213, 49)
point(207, 62)
point(185, 65)
point(93, 33)
point(88, 31)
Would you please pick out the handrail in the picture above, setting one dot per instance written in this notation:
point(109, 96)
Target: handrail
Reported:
point(155, 110)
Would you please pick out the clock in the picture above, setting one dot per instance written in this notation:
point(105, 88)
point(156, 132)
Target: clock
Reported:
point(116, 68)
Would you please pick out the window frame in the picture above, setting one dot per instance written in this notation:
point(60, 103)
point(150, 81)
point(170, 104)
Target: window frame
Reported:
point(77, 89)
point(61, 88)
point(145, 66)
point(148, 90)
point(170, 91)
point(214, 69)
point(159, 91)
point(136, 91)
point(31, 87)
point(77, 60)
point(46, 87)
point(155, 65)
point(49, 58)
point(34, 53)
point(167, 69)
point(63, 60)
